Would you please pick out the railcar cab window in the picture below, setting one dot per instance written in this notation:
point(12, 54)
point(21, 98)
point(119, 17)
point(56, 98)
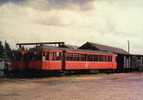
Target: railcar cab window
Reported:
point(45, 55)
point(55, 55)
point(16, 56)
point(35, 55)
point(52, 55)
point(19, 56)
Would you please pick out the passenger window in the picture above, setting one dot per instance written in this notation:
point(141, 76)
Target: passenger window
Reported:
point(95, 58)
point(75, 57)
point(69, 56)
point(47, 56)
point(109, 58)
point(55, 55)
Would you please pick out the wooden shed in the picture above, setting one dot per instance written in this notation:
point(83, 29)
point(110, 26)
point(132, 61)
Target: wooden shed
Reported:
point(100, 47)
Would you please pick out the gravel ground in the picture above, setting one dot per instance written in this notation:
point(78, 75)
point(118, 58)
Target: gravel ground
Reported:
point(123, 86)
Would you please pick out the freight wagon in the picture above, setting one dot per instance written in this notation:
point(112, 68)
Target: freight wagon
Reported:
point(130, 62)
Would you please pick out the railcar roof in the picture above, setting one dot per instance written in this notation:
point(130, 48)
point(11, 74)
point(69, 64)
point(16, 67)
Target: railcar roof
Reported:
point(77, 50)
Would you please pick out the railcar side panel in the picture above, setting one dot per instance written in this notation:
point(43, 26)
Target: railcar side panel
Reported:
point(18, 65)
point(77, 65)
point(51, 65)
point(35, 65)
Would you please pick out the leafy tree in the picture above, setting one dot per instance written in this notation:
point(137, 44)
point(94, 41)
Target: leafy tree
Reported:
point(1, 47)
point(1, 50)
point(7, 50)
point(7, 46)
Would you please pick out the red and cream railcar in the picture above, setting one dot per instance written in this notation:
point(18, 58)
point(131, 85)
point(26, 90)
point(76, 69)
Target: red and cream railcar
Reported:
point(60, 59)
point(48, 59)
point(19, 59)
point(88, 60)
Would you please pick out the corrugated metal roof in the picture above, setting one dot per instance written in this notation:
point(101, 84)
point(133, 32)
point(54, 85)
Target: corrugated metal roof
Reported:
point(95, 46)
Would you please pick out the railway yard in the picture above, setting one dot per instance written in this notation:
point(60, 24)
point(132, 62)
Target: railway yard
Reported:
point(71, 50)
point(119, 86)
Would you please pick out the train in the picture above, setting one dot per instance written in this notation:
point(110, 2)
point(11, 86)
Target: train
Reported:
point(46, 58)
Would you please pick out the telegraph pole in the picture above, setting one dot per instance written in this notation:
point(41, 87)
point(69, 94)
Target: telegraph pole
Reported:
point(128, 46)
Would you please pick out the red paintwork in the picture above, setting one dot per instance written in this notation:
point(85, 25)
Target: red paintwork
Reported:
point(18, 65)
point(77, 65)
point(45, 65)
point(69, 65)
point(52, 65)
point(36, 65)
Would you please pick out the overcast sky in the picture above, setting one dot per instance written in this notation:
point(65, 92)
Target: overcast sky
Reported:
point(109, 22)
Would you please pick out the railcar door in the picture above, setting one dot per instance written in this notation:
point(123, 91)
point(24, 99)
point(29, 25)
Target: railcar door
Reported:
point(63, 60)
